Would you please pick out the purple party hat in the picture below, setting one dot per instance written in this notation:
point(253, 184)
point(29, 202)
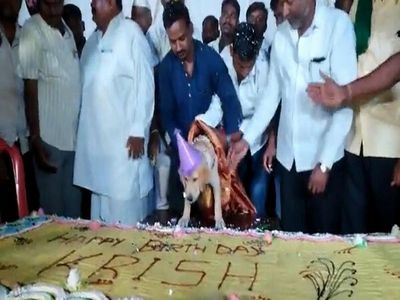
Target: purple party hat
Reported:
point(189, 157)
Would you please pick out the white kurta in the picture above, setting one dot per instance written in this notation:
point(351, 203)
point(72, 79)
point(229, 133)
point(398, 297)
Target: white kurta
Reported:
point(117, 102)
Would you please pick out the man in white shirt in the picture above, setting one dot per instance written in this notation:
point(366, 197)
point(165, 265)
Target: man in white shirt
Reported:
point(114, 124)
point(230, 12)
point(12, 111)
point(49, 65)
point(311, 138)
point(248, 72)
point(141, 14)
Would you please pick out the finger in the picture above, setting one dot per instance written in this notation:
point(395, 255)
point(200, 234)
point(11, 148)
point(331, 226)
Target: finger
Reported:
point(310, 185)
point(265, 163)
point(325, 77)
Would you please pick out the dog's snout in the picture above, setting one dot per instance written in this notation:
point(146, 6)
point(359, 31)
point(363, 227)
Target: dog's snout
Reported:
point(189, 198)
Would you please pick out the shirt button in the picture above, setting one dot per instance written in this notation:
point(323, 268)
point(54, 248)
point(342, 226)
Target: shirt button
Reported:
point(190, 95)
point(188, 84)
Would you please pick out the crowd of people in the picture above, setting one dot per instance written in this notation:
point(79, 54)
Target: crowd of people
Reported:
point(101, 115)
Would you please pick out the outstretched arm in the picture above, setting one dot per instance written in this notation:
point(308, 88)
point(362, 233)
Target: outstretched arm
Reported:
point(333, 95)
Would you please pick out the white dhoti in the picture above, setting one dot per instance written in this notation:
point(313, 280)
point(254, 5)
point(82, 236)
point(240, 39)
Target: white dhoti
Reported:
point(122, 211)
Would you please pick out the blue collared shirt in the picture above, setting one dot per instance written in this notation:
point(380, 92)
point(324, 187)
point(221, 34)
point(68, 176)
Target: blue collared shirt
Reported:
point(182, 97)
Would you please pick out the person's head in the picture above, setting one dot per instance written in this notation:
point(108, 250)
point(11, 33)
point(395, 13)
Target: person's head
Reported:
point(210, 29)
point(164, 2)
point(9, 10)
point(179, 28)
point(244, 49)
point(141, 14)
point(104, 11)
point(73, 17)
point(257, 14)
point(51, 11)
point(277, 8)
point(298, 12)
point(230, 12)
point(32, 6)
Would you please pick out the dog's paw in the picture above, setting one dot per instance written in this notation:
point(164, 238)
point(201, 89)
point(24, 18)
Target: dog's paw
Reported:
point(183, 222)
point(219, 223)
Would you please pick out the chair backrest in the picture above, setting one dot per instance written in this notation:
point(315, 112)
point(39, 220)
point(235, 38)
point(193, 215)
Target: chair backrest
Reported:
point(19, 176)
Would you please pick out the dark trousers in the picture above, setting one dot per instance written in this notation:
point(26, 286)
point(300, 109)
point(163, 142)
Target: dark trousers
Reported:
point(371, 205)
point(255, 180)
point(303, 211)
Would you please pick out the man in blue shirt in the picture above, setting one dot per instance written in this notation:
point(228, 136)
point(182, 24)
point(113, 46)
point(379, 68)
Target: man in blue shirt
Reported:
point(189, 75)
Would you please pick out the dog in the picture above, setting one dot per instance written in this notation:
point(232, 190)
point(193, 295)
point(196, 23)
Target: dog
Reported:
point(206, 173)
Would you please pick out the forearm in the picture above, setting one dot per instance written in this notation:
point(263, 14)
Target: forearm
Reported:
point(382, 78)
point(32, 107)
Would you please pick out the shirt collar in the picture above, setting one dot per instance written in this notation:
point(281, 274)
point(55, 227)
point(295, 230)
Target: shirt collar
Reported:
point(114, 23)
point(318, 19)
point(15, 42)
point(317, 22)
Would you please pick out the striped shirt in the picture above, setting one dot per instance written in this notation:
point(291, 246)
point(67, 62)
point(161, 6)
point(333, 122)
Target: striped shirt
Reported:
point(52, 59)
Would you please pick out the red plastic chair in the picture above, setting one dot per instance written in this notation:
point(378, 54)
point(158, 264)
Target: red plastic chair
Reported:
point(19, 176)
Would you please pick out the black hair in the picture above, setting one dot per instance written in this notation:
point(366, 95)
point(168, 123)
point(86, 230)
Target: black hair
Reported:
point(234, 3)
point(213, 20)
point(71, 11)
point(274, 4)
point(256, 6)
point(245, 41)
point(174, 11)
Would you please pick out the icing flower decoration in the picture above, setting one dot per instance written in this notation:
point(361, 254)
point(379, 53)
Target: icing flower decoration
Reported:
point(395, 231)
point(233, 297)
point(94, 225)
point(74, 280)
point(268, 238)
point(359, 241)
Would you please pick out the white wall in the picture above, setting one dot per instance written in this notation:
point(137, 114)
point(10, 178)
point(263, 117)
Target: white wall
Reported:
point(198, 9)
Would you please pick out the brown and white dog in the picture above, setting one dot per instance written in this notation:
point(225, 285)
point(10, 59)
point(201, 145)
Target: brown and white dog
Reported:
point(205, 173)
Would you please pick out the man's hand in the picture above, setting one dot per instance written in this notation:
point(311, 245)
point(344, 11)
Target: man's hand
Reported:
point(329, 94)
point(237, 152)
point(270, 153)
point(42, 156)
point(154, 146)
point(396, 175)
point(318, 181)
point(135, 147)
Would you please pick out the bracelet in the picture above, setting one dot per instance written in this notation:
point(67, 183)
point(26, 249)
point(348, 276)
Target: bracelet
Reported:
point(154, 131)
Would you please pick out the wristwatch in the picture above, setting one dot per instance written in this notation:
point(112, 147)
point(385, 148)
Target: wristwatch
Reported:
point(324, 169)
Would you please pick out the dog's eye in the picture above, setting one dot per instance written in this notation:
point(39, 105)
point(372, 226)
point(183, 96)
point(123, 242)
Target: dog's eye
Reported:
point(194, 179)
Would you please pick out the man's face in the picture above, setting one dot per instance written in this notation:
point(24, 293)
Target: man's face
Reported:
point(180, 38)
point(9, 9)
point(76, 26)
point(51, 11)
point(142, 16)
point(228, 20)
point(101, 11)
point(296, 12)
point(242, 68)
point(210, 32)
point(278, 13)
point(259, 19)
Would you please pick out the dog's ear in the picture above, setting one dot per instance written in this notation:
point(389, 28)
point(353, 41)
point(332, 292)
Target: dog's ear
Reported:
point(183, 180)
